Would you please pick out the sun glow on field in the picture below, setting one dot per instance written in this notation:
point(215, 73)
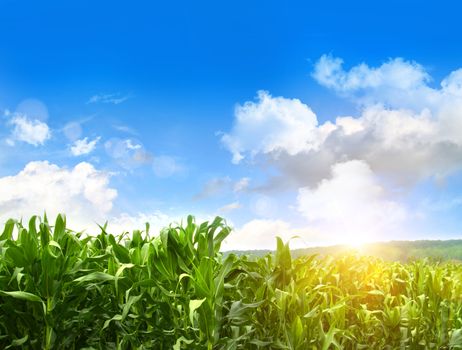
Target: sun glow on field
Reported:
point(357, 241)
point(356, 244)
point(353, 241)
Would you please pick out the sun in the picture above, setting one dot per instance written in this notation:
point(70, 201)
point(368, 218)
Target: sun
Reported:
point(357, 241)
point(356, 244)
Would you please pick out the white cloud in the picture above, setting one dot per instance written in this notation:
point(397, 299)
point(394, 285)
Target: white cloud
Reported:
point(229, 207)
point(261, 234)
point(31, 131)
point(108, 98)
point(270, 125)
point(83, 146)
point(258, 234)
point(351, 205)
point(127, 223)
point(166, 166)
point(452, 84)
point(157, 220)
point(353, 173)
point(219, 186)
point(241, 185)
point(82, 193)
point(130, 145)
point(403, 144)
point(396, 73)
point(396, 84)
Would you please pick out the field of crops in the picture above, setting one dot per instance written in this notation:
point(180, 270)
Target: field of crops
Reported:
point(175, 290)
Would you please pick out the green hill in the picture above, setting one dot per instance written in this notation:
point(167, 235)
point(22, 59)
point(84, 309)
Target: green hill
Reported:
point(392, 251)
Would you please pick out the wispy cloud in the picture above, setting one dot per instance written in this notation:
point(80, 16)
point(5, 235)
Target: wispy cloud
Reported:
point(241, 185)
point(166, 166)
point(73, 129)
point(219, 186)
point(128, 153)
point(114, 99)
point(229, 207)
point(214, 187)
point(125, 129)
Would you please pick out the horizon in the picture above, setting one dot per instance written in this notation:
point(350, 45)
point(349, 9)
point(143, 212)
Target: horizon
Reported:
point(325, 122)
point(348, 246)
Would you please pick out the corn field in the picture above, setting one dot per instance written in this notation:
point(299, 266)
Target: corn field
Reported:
point(60, 289)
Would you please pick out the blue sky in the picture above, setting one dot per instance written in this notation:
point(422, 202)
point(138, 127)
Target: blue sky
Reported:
point(334, 121)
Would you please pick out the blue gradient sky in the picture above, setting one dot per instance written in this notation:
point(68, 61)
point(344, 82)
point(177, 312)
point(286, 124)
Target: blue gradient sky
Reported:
point(158, 87)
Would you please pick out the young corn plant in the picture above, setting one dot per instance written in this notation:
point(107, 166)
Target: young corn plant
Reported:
point(175, 290)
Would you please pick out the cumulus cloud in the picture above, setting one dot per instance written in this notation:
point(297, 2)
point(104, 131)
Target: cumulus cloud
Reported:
point(84, 146)
point(396, 83)
point(270, 125)
point(31, 131)
point(452, 84)
point(261, 234)
point(352, 172)
point(82, 193)
point(402, 144)
point(258, 234)
point(351, 206)
point(396, 73)
point(127, 223)
point(352, 203)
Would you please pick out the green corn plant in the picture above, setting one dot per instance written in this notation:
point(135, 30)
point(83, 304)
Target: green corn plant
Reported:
point(61, 289)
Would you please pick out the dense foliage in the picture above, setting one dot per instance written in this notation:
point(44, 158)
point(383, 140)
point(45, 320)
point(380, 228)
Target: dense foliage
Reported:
point(59, 289)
